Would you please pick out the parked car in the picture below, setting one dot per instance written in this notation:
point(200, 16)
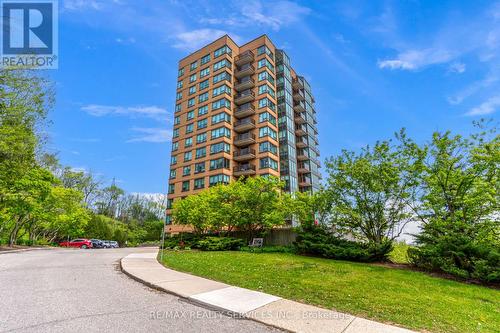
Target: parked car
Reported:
point(79, 242)
point(97, 243)
point(106, 244)
point(114, 244)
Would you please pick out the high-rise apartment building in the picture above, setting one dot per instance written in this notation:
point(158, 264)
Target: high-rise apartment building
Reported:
point(241, 111)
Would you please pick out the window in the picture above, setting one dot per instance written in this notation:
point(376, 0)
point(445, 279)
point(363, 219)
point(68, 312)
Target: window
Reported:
point(266, 102)
point(266, 116)
point(199, 183)
point(218, 179)
point(203, 97)
point(265, 63)
point(186, 171)
point(220, 147)
point(188, 142)
point(221, 64)
point(221, 103)
point(202, 123)
point(199, 167)
point(191, 102)
point(201, 152)
point(266, 89)
point(220, 163)
point(175, 133)
point(202, 110)
point(178, 96)
point(175, 146)
point(192, 78)
point(205, 59)
point(220, 132)
point(193, 65)
point(185, 186)
point(181, 72)
point(204, 72)
point(268, 162)
point(200, 138)
point(170, 203)
point(265, 76)
point(204, 84)
point(168, 219)
point(177, 108)
point(179, 84)
point(267, 147)
point(264, 49)
point(223, 50)
point(173, 174)
point(190, 115)
point(192, 90)
point(171, 188)
point(177, 120)
point(220, 117)
point(188, 156)
point(173, 160)
point(267, 131)
point(221, 90)
point(221, 77)
point(189, 128)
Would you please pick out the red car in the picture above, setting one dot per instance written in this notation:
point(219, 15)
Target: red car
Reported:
point(80, 242)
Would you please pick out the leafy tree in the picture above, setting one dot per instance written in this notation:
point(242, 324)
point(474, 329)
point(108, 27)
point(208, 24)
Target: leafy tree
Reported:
point(459, 206)
point(312, 207)
point(370, 191)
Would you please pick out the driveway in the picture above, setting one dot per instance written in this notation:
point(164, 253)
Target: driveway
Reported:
point(84, 290)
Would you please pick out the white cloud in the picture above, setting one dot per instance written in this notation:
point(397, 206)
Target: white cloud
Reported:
point(153, 135)
point(153, 112)
point(129, 40)
point(77, 5)
point(417, 59)
point(273, 15)
point(195, 39)
point(488, 107)
point(457, 67)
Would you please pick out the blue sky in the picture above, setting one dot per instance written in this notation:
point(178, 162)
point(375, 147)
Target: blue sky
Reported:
point(374, 66)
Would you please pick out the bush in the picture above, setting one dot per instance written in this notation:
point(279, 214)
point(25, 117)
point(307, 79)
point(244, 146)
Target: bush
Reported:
point(219, 244)
point(318, 241)
point(460, 257)
point(268, 249)
point(182, 240)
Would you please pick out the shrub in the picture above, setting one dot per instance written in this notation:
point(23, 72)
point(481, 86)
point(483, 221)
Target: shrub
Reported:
point(219, 244)
point(268, 249)
point(182, 240)
point(318, 241)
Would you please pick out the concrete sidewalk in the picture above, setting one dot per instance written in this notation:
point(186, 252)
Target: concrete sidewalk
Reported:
point(244, 303)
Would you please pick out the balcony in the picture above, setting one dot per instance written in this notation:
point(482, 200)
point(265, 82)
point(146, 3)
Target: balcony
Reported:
point(244, 170)
point(300, 130)
point(245, 83)
point(301, 142)
point(244, 139)
point(298, 84)
point(298, 96)
point(244, 154)
point(300, 118)
point(244, 97)
point(244, 110)
point(303, 168)
point(244, 58)
point(244, 125)
point(304, 181)
point(302, 155)
point(299, 107)
point(244, 70)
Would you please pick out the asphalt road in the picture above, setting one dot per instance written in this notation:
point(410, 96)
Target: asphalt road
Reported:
point(84, 290)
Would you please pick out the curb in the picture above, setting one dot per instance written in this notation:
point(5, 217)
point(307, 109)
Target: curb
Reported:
point(26, 250)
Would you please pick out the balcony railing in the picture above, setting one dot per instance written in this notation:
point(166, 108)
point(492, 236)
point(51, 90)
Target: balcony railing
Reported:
point(300, 130)
point(244, 139)
point(245, 83)
point(244, 70)
point(244, 58)
point(244, 125)
point(244, 154)
point(244, 169)
point(299, 107)
point(300, 117)
point(244, 110)
point(298, 84)
point(244, 97)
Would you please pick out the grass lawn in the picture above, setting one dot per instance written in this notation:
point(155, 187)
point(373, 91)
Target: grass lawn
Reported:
point(406, 298)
